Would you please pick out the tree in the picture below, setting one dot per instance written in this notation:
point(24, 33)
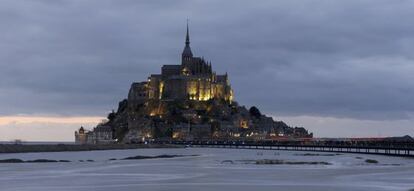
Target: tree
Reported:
point(122, 105)
point(255, 112)
point(112, 115)
point(169, 132)
point(157, 132)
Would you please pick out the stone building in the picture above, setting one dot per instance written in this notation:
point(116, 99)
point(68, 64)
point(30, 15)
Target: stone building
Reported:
point(99, 135)
point(81, 136)
point(103, 135)
point(193, 79)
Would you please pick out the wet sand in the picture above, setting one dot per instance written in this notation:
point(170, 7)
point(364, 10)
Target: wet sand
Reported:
point(22, 148)
point(205, 171)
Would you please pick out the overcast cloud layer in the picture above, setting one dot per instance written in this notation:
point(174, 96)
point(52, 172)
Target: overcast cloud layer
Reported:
point(341, 59)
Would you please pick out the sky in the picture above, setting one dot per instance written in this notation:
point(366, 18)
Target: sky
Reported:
point(338, 68)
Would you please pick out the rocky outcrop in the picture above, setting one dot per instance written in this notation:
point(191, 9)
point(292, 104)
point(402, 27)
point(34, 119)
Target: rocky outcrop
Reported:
point(189, 119)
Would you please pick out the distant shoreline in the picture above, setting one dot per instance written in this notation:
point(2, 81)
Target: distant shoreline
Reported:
point(22, 148)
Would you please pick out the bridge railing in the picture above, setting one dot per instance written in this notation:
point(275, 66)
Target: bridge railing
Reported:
point(371, 148)
point(371, 145)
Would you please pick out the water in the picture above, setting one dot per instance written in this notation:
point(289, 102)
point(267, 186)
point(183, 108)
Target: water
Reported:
point(204, 172)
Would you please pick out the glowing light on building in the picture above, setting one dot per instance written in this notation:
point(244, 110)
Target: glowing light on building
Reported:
point(175, 135)
point(244, 124)
point(161, 87)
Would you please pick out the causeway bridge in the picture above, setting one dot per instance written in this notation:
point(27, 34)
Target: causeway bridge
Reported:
point(377, 148)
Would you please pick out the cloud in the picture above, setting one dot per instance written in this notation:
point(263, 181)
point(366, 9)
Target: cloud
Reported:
point(342, 59)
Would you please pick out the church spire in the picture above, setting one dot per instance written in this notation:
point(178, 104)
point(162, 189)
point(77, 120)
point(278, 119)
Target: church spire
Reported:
point(187, 50)
point(187, 37)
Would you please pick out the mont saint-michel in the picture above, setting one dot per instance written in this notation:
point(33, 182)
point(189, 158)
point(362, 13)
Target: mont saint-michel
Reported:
point(125, 95)
point(187, 101)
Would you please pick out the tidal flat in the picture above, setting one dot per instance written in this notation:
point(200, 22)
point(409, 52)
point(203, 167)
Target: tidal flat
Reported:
point(30, 148)
point(204, 169)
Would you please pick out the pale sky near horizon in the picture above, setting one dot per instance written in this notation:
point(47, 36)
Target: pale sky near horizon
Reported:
point(338, 68)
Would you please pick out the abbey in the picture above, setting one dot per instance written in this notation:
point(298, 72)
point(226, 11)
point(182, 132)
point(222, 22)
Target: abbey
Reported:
point(193, 79)
point(187, 101)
